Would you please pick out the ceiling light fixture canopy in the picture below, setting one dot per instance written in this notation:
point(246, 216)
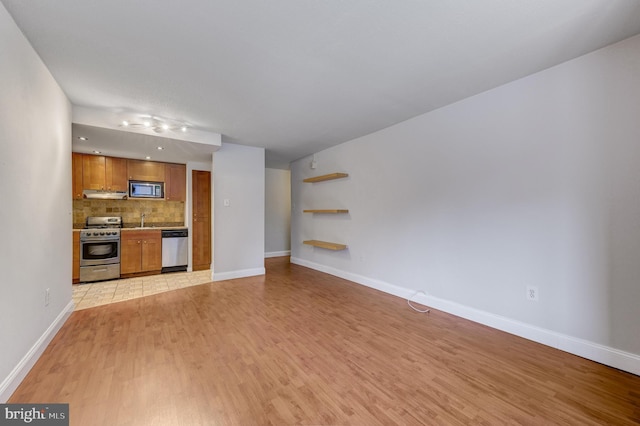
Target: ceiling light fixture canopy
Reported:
point(155, 124)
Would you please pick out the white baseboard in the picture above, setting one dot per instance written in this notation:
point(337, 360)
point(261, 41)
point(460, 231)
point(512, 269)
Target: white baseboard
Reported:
point(242, 273)
point(369, 282)
point(596, 352)
point(13, 380)
point(277, 254)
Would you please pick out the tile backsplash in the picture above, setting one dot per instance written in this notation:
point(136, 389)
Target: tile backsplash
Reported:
point(157, 212)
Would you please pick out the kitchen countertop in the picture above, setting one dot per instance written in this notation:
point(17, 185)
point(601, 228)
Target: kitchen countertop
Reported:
point(149, 228)
point(131, 227)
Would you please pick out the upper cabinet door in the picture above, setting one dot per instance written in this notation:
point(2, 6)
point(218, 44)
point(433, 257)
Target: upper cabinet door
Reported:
point(76, 177)
point(93, 171)
point(175, 186)
point(116, 174)
point(145, 170)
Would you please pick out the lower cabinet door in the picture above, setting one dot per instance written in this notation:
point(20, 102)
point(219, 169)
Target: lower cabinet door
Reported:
point(130, 254)
point(152, 253)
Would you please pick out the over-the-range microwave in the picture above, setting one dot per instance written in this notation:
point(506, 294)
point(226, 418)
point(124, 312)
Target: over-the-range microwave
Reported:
point(139, 189)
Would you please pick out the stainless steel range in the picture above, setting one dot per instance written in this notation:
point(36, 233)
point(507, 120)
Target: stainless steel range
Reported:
point(100, 249)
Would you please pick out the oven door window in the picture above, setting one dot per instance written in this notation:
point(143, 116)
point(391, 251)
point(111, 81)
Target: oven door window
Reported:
point(99, 250)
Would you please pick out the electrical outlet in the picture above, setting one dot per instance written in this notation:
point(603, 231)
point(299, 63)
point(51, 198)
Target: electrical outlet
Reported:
point(226, 202)
point(532, 293)
point(47, 297)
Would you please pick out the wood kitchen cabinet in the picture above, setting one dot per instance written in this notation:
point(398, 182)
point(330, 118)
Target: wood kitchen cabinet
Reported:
point(175, 184)
point(140, 252)
point(145, 170)
point(75, 272)
point(115, 175)
point(101, 173)
point(93, 171)
point(76, 176)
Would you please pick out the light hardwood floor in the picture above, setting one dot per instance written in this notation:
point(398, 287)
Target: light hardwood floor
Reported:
point(301, 347)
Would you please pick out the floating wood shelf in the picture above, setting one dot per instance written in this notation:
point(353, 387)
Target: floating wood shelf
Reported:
point(325, 245)
point(327, 211)
point(330, 176)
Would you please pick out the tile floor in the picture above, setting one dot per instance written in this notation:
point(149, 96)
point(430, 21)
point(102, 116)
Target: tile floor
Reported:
point(101, 293)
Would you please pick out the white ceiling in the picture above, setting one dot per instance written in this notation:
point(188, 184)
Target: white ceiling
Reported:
point(298, 76)
point(117, 143)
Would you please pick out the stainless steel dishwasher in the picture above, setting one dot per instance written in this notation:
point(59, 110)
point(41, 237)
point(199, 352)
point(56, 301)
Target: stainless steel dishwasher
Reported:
point(175, 250)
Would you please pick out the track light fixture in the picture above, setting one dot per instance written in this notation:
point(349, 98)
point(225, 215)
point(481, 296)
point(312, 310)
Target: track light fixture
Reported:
point(155, 124)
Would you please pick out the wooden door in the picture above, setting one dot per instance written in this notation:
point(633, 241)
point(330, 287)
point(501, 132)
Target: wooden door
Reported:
point(201, 215)
point(93, 168)
point(116, 174)
point(76, 177)
point(175, 176)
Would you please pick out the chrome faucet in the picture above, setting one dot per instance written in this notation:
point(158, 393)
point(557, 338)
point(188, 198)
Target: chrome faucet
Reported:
point(142, 220)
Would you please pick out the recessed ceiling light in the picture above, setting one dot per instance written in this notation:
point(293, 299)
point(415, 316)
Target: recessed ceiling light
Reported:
point(147, 157)
point(183, 128)
point(160, 148)
point(97, 152)
point(125, 123)
point(165, 126)
point(83, 138)
point(147, 123)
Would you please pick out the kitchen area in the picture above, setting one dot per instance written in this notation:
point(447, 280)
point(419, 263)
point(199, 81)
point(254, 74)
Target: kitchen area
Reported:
point(129, 223)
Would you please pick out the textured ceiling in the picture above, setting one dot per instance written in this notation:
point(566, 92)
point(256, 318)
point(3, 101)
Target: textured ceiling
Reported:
point(298, 76)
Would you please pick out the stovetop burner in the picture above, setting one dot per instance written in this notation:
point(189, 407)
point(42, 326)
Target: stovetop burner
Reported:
point(101, 228)
point(97, 222)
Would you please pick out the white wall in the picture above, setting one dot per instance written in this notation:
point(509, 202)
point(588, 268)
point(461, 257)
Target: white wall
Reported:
point(277, 217)
point(535, 183)
point(35, 192)
point(238, 229)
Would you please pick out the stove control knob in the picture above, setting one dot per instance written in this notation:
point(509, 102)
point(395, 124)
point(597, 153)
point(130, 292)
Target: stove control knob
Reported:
point(95, 234)
point(102, 233)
